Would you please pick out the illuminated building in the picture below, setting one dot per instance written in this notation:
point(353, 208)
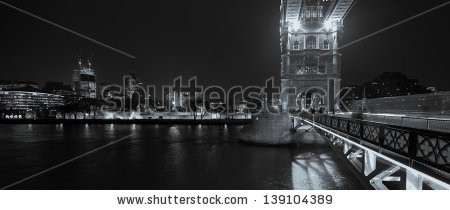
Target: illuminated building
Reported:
point(388, 84)
point(84, 80)
point(431, 104)
point(15, 104)
point(132, 84)
point(310, 62)
point(135, 93)
point(182, 100)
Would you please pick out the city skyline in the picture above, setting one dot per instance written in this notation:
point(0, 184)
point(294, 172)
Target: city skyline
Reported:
point(225, 95)
point(208, 42)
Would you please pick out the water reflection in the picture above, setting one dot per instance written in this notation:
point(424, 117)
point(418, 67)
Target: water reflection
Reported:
point(162, 157)
point(174, 133)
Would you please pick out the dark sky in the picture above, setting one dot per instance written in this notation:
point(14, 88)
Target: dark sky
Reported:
point(232, 42)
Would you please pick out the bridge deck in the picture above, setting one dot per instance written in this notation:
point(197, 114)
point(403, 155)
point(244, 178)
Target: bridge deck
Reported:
point(420, 153)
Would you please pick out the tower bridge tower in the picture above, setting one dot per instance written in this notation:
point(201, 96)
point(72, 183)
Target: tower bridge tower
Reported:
point(310, 62)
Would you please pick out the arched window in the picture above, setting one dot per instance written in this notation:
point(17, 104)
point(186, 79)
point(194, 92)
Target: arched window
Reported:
point(296, 45)
point(326, 45)
point(311, 42)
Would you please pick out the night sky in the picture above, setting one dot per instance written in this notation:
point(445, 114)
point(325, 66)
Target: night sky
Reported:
point(228, 42)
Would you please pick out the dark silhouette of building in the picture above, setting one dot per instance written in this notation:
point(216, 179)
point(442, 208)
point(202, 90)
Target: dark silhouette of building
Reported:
point(18, 85)
point(58, 88)
point(390, 84)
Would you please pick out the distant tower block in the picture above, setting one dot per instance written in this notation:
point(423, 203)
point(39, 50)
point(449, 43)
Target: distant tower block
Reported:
point(84, 80)
point(310, 61)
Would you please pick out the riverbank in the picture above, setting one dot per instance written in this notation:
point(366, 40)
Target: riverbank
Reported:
point(135, 121)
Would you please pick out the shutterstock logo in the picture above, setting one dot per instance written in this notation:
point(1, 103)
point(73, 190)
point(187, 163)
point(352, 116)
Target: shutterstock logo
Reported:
point(189, 96)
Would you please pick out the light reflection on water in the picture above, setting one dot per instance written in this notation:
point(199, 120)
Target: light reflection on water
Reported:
point(174, 132)
point(316, 166)
point(162, 157)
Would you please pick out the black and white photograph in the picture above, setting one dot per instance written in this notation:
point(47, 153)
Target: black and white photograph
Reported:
point(210, 96)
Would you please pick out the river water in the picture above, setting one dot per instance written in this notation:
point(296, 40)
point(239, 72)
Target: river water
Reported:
point(162, 157)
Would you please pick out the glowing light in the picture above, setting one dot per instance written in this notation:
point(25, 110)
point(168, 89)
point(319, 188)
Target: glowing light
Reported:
point(135, 115)
point(387, 115)
point(330, 25)
point(295, 26)
point(173, 131)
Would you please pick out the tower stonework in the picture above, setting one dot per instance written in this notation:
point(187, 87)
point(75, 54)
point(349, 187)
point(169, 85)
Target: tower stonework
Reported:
point(310, 62)
point(310, 66)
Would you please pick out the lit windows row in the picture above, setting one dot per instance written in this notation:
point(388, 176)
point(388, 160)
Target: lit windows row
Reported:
point(19, 100)
point(311, 44)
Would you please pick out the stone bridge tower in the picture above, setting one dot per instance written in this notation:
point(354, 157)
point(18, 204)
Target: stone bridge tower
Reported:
point(310, 61)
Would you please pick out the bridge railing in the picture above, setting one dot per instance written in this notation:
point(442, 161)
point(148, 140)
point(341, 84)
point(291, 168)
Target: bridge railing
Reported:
point(427, 147)
point(432, 124)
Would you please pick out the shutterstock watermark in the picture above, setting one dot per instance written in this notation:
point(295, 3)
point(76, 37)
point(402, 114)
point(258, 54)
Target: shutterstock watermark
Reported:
point(189, 96)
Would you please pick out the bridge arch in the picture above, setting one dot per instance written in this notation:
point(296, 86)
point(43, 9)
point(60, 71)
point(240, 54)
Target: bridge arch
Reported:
point(312, 98)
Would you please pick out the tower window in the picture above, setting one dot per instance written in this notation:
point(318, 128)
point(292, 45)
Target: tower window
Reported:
point(326, 45)
point(311, 42)
point(296, 45)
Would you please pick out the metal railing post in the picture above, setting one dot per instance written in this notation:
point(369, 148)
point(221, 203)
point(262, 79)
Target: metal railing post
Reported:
point(361, 130)
point(347, 121)
point(380, 135)
point(412, 147)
